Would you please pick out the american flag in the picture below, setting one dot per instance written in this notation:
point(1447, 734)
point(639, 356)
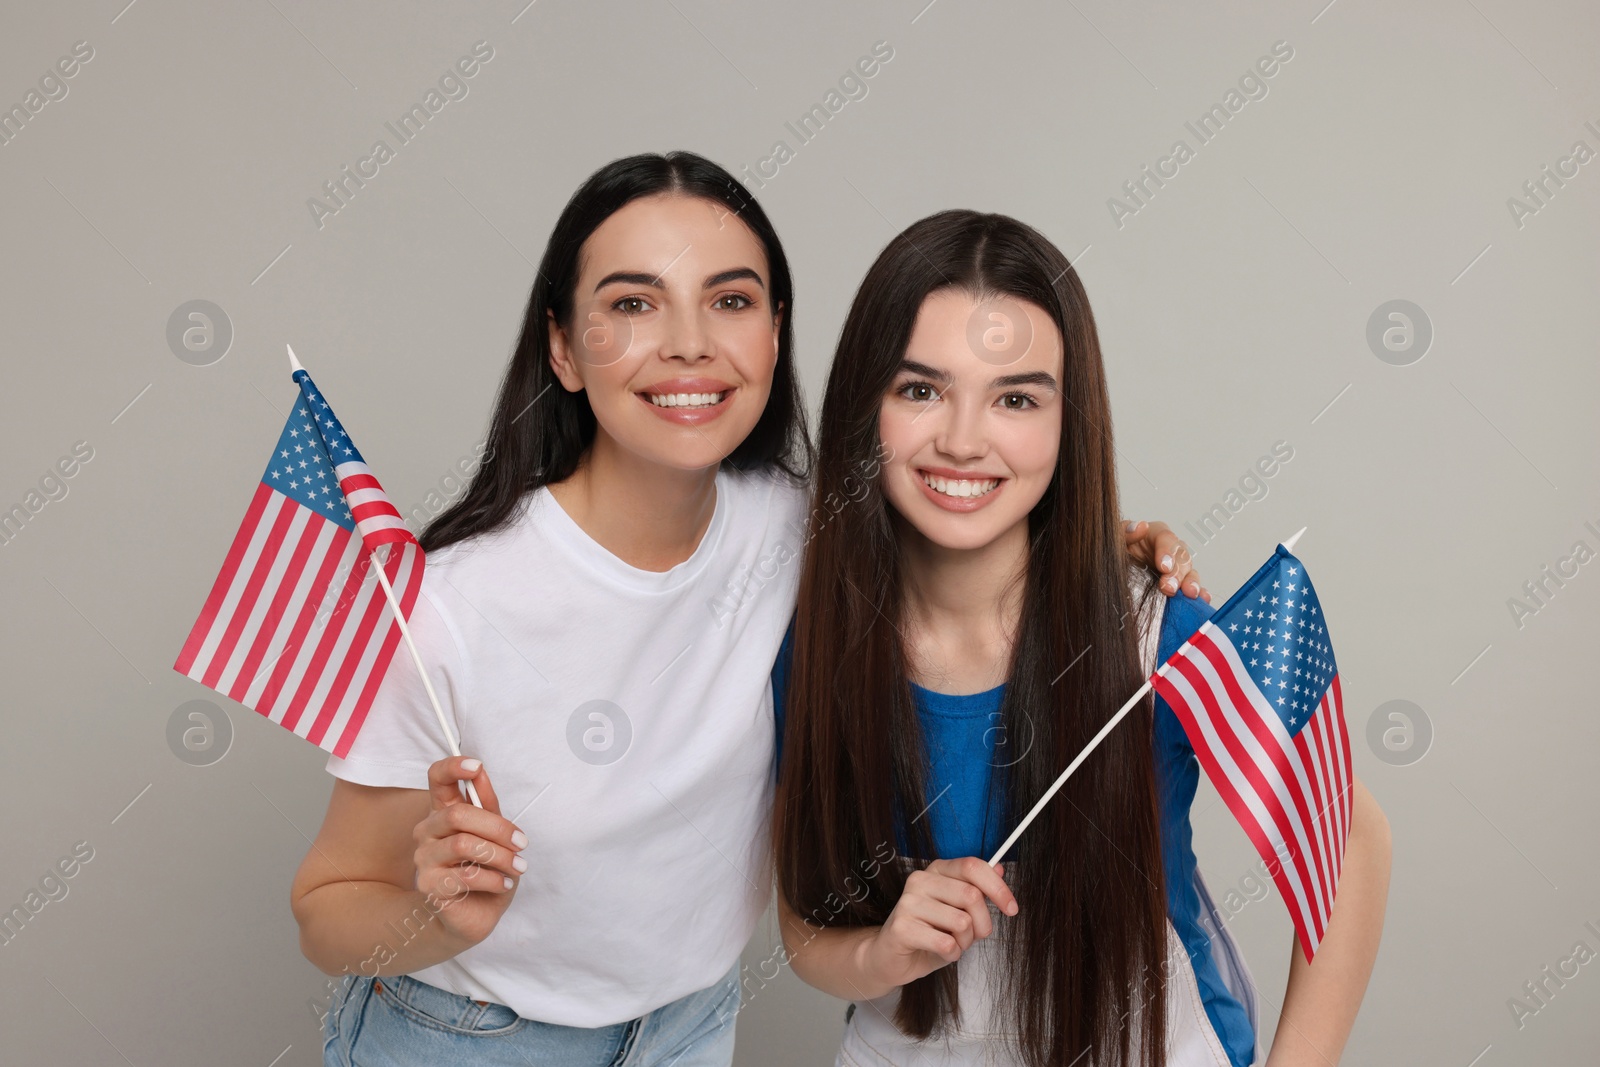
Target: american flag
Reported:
point(1257, 691)
point(293, 627)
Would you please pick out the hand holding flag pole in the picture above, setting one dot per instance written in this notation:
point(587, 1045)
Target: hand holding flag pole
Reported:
point(405, 631)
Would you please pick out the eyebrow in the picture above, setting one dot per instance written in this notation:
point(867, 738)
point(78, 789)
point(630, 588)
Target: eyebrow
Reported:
point(654, 280)
point(1038, 377)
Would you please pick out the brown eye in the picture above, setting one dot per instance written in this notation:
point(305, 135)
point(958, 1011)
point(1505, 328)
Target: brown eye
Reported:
point(918, 391)
point(733, 302)
point(630, 305)
point(1022, 401)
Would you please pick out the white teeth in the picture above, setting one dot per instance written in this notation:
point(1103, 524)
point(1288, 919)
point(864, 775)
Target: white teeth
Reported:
point(685, 400)
point(961, 489)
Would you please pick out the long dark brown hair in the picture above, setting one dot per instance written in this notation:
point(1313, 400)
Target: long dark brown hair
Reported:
point(1084, 958)
point(539, 431)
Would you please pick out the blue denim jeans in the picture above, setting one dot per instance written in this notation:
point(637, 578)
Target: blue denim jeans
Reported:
point(400, 1021)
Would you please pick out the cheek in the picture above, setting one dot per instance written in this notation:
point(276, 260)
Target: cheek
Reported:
point(607, 385)
point(1037, 445)
point(901, 433)
point(1031, 449)
point(751, 349)
point(899, 436)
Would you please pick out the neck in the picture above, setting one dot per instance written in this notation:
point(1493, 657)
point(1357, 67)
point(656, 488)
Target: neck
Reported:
point(962, 607)
point(648, 515)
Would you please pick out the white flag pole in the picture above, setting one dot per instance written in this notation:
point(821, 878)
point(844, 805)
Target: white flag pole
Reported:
point(1090, 747)
point(1061, 781)
point(405, 631)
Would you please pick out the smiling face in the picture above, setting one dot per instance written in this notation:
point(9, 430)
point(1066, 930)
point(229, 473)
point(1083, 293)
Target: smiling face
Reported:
point(673, 334)
point(974, 429)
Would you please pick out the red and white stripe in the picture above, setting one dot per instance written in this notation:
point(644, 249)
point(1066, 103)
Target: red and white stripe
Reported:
point(1291, 794)
point(296, 627)
point(377, 520)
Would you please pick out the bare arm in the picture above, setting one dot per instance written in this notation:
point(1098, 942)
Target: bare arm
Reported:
point(828, 957)
point(1320, 1005)
point(395, 882)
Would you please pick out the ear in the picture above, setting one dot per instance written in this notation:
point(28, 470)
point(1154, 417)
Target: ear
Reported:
point(777, 325)
point(561, 359)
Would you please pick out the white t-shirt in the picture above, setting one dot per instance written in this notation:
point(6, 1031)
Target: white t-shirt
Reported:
point(625, 718)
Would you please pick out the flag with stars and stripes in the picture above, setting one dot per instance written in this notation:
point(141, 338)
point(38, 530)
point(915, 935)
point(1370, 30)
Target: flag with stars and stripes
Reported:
point(296, 627)
point(1257, 691)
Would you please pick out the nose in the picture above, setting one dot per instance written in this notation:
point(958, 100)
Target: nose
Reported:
point(960, 434)
point(686, 336)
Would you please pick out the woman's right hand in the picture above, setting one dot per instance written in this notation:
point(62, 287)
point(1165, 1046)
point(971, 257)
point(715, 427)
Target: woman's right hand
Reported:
point(467, 858)
point(942, 911)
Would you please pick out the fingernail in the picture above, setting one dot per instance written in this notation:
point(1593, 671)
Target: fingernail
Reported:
point(519, 839)
point(519, 863)
point(1132, 526)
point(1169, 584)
point(1166, 563)
point(1011, 909)
point(471, 765)
point(508, 882)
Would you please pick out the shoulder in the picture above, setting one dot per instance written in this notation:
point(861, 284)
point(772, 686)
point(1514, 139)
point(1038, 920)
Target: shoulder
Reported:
point(475, 569)
point(1180, 618)
point(1164, 622)
point(433, 618)
point(480, 550)
point(770, 488)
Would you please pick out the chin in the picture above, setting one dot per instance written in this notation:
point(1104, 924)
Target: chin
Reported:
point(688, 450)
point(959, 533)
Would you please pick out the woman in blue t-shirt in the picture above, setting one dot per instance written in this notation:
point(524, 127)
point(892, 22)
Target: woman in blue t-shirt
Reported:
point(962, 632)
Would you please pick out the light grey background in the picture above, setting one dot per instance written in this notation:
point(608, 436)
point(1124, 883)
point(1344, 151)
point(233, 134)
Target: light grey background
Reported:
point(1233, 308)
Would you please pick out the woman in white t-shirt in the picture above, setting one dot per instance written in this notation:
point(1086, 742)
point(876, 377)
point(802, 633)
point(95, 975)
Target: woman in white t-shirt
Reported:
point(599, 617)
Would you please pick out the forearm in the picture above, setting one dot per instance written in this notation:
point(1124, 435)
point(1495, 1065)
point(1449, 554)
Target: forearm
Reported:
point(829, 958)
point(372, 928)
point(1320, 1004)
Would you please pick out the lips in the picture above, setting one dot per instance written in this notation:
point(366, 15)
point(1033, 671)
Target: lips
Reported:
point(687, 401)
point(955, 490)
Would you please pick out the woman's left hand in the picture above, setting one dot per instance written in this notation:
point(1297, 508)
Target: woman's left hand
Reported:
point(1157, 547)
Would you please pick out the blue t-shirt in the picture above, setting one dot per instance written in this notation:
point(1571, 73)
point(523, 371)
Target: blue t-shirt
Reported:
point(960, 732)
